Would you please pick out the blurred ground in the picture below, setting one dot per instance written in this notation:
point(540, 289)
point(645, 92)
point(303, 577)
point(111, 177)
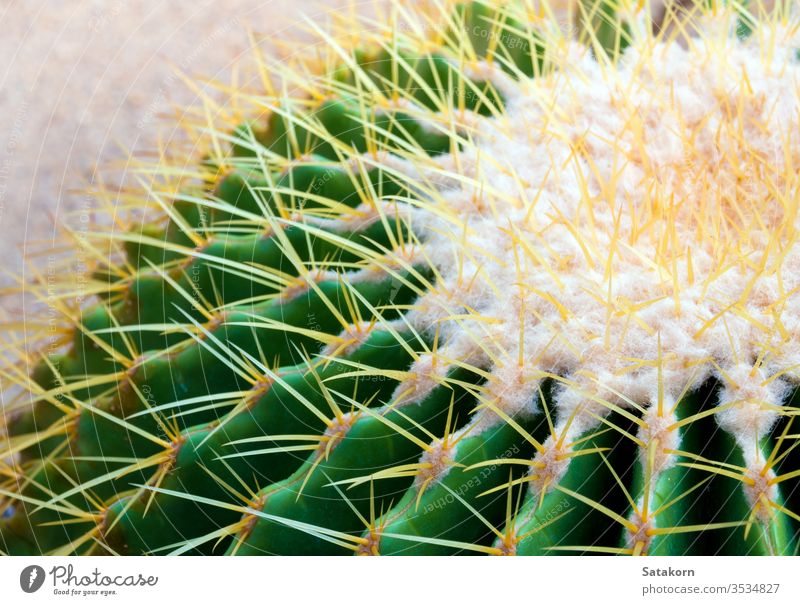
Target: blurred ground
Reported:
point(80, 78)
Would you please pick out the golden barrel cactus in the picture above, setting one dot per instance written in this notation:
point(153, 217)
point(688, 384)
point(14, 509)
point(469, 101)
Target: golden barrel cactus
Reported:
point(484, 277)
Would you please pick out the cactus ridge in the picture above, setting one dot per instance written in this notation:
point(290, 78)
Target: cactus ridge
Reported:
point(474, 281)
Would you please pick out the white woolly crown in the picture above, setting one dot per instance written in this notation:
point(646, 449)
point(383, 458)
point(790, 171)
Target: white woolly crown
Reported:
point(632, 228)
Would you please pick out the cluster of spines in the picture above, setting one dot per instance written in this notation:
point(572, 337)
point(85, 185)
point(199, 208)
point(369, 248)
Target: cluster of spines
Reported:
point(245, 379)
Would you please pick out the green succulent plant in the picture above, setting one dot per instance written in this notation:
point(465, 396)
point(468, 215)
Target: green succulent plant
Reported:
point(467, 280)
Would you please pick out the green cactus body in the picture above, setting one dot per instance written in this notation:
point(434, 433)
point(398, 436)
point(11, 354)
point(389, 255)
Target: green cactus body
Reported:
point(476, 287)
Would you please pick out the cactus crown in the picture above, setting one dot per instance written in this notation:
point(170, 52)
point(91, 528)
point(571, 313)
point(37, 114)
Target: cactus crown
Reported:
point(478, 282)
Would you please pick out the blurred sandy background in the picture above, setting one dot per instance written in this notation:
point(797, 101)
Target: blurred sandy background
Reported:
point(80, 78)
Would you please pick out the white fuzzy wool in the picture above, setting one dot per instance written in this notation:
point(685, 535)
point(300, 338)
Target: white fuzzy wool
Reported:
point(615, 220)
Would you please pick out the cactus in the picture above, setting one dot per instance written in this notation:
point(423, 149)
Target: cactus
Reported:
point(463, 282)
